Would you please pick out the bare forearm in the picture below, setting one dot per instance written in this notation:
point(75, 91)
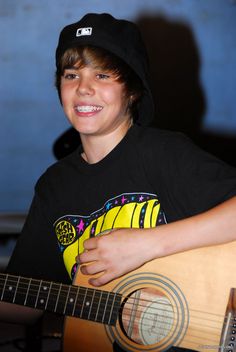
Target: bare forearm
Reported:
point(215, 226)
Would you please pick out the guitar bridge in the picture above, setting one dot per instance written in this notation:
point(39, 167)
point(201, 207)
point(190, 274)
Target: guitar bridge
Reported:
point(228, 336)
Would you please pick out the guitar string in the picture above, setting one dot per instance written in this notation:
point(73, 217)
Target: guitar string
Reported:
point(164, 304)
point(166, 329)
point(169, 305)
point(66, 292)
point(197, 325)
point(72, 287)
point(173, 321)
point(188, 337)
point(214, 340)
point(163, 315)
point(76, 287)
point(129, 298)
point(185, 339)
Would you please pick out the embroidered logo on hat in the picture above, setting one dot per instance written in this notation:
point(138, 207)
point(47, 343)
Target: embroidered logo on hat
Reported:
point(83, 31)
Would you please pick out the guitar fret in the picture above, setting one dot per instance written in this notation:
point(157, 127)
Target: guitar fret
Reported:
point(80, 297)
point(105, 308)
point(53, 297)
point(13, 291)
point(31, 298)
point(43, 295)
point(101, 307)
point(82, 314)
point(49, 292)
point(20, 291)
point(75, 302)
point(27, 292)
point(62, 297)
point(37, 297)
point(93, 314)
point(99, 302)
point(71, 300)
point(55, 309)
point(4, 287)
point(91, 305)
point(9, 289)
point(115, 308)
point(13, 301)
point(83, 302)
point(111, 309)
point(66, 301)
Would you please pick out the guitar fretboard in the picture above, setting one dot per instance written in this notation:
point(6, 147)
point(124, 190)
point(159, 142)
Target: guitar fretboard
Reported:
point(77, 301)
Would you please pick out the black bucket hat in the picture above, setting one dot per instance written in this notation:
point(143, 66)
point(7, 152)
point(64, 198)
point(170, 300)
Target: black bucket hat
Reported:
point(120, 37)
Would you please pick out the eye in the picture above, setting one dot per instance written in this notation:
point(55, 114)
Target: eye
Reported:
point(70, 75)
point(102, 76)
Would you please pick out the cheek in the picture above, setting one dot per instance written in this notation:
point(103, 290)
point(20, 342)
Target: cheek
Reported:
point(115, 96)
point(64, 96)
point(65, 101)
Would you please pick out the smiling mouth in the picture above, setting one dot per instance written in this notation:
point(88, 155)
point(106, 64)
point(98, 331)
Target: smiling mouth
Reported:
point(88, 108)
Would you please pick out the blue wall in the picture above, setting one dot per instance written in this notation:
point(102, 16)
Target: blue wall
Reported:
point(31, 117)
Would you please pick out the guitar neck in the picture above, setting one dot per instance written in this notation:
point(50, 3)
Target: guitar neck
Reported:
point(70, 300)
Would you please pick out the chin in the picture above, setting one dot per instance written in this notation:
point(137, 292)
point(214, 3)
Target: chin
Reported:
point(83, 127)
point(85, 130)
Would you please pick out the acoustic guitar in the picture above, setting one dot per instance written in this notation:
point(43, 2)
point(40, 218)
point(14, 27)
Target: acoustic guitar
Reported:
point(186, 300)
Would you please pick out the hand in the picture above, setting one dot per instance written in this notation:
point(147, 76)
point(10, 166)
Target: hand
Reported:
point(114, 254)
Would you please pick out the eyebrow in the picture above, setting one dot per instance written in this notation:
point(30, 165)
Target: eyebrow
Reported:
point(71, 68)
point(98, 68)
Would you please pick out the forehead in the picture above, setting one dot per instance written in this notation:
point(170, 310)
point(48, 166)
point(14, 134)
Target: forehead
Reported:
point(94, 57)
point(80, 66)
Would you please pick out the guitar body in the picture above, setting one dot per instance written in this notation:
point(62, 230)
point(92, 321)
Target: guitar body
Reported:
point(179, 300)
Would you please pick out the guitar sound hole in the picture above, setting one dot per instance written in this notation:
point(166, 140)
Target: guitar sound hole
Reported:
point(147, 316)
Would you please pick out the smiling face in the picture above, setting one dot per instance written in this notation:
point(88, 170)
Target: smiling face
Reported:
point(94, 100)
point(98, 90)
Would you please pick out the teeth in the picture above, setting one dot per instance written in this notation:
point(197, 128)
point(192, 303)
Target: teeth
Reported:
point(88, 108)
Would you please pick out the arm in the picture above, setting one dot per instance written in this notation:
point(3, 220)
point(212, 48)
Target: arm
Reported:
point(124, 250)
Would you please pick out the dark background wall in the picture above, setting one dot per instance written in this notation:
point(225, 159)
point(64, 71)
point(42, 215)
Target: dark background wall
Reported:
point(192, 51)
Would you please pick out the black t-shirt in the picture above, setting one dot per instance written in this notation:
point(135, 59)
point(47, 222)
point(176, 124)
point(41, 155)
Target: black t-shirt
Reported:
point(150, 178)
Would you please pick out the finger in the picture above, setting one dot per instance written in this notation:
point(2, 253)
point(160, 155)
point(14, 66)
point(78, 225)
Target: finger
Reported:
point(91, 243)
point(101, 280)
point(93, 268)
point(87, 257)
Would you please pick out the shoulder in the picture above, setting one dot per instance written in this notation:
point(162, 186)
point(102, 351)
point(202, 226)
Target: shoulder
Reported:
point(154, 140)
point(60, 170)
point(158, 135)
point(172, 149)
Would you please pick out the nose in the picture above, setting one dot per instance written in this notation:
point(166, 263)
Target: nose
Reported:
point(85, 86)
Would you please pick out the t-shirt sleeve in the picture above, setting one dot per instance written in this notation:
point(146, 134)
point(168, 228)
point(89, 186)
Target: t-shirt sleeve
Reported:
point(188, 179)
point(36, 253)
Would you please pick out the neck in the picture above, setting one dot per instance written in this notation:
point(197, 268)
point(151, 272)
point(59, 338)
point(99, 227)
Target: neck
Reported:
point(98, 146)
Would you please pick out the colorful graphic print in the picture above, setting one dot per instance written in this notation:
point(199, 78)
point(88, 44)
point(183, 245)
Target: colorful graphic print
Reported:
point(128, 210)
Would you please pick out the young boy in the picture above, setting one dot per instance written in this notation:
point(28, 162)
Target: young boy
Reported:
point(125, 180)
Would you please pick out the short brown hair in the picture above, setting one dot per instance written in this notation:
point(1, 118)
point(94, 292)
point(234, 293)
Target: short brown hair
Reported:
point(98, 57)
